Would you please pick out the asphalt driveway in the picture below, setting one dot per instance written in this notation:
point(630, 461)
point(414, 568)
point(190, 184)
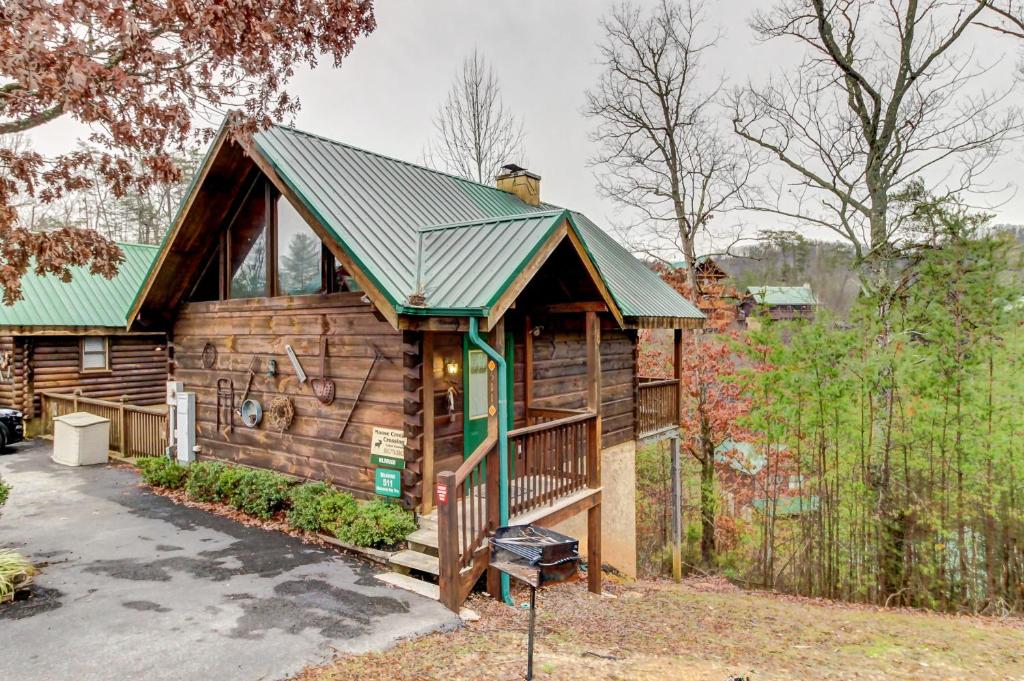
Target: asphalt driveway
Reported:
point(136, 587)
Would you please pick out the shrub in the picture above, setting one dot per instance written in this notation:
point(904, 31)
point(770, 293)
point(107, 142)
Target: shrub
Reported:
point(160, 472)
point(228, 481)
point(318, 507)
point(15, 572)
point(258, 493)
point(337, 509)
point(204, 481)
point(377, 524)
point(5, 491)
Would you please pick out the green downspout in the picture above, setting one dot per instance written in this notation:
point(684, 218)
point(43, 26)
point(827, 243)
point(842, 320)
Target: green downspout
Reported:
point(474, 337)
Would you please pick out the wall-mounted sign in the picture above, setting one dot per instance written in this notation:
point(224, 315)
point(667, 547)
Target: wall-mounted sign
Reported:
point(387, 461)
point(388, 483)
point(389, 442)
point(441, 494)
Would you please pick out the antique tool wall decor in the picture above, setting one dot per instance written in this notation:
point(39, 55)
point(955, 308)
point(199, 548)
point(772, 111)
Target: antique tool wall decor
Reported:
point(251, 412)
point(209, 356)
point(252, 372)
point(323, 387)
point(295, 363)
point(359, 393)
point(281, 413)
point(226, 401)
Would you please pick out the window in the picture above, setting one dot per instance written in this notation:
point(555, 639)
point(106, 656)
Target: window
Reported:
point(94, 354)
point(247, 246)
point(300, 254)
point(795, 481)
point(477, 386)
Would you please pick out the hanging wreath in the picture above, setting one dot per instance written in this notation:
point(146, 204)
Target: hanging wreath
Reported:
point(281, 413)
point(209, 356)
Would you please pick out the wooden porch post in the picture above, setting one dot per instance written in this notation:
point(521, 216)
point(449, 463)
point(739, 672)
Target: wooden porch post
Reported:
point(527, 366)
point(677, 370)
point(448, 542)
point(427, 501)
point(593, 333)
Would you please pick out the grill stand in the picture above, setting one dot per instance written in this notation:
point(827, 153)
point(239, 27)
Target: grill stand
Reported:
point(529, 644)
point(535, 556)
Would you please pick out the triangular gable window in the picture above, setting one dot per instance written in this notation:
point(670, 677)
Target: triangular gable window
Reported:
point(268, 249)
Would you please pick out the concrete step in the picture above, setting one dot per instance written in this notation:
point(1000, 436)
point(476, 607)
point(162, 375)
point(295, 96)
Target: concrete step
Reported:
point(417, 586)
point(414, 560)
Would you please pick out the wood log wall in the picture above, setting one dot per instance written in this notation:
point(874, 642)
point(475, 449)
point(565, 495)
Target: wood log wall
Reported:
point(138, 370)
point(310, 448)
point(560, 367)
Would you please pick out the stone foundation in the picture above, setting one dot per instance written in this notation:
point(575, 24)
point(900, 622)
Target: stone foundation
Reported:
point(618, 510)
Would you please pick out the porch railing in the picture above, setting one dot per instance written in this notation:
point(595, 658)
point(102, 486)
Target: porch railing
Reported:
point(134, 430)
point(467, 514)
point(657, 405)
point(547, 461)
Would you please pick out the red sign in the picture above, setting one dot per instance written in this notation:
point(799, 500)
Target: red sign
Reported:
point(441, 494)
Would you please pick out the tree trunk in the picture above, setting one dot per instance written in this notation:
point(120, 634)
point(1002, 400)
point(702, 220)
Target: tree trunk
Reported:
point(707, 509)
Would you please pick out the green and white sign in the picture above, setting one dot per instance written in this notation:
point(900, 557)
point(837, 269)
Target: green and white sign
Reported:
point(388, 483)
point(387, 461)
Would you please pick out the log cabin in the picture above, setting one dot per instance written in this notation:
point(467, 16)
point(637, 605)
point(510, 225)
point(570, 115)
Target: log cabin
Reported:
point(479, 344)
point(71, 338)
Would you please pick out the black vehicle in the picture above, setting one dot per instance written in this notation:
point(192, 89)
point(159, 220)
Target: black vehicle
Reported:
point(12, 427)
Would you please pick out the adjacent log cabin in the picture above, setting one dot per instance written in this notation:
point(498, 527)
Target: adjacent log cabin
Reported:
point(497, 334)
point(72, 337)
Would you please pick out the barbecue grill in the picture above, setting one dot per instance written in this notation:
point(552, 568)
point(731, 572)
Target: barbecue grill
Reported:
point(536, 556)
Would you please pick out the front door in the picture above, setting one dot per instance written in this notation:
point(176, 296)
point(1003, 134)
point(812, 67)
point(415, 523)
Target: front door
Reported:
point(478, 375)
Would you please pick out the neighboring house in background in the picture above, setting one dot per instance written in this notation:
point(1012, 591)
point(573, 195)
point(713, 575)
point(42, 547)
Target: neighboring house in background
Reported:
point(374, 276)
point(749, 480)
point(716, 297)
point(67, 337)
point(778, 303)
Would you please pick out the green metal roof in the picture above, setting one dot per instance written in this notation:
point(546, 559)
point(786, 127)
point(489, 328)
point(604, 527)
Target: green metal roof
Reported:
point(414, 230)
point(782, 295)
point(88, 300)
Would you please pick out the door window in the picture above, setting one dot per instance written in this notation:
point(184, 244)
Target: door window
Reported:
point(477, 386)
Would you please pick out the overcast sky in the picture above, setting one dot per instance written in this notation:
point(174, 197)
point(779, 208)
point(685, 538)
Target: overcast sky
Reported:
point(384, 96)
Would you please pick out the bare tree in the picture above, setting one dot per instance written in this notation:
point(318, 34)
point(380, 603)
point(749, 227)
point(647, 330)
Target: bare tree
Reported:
point(886, 95)
point(661, 152)
point(474, 134)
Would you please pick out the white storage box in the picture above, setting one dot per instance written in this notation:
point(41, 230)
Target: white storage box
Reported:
point(80, 439)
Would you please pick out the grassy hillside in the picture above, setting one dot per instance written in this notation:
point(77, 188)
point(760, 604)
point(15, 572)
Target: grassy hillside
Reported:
point(703, 629)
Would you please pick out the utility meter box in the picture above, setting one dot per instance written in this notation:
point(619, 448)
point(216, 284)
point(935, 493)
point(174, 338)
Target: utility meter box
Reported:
point(80, 439)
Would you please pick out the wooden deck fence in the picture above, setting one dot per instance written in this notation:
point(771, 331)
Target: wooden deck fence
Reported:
point(657, 406)
point(134, 431)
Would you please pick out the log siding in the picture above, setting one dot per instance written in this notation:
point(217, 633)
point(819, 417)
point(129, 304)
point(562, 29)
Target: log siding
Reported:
point(137, 370)
point(310, 448)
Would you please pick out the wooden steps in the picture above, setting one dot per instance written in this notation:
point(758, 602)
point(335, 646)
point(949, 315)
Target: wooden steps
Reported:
point(414, 560)
point(417, 586)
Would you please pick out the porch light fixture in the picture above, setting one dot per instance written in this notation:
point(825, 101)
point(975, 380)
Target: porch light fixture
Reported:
point(451, 367)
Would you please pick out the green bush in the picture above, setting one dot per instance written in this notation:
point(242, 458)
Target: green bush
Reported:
point(337, 510)
point(228, 481)
point(161, 472)
point(204, 481)
point(258, 493)
point(305, 511)
point(377, 524)
point(318, 507)
point(5, 491)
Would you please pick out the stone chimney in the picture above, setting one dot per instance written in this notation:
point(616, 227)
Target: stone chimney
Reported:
point(521, 182)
